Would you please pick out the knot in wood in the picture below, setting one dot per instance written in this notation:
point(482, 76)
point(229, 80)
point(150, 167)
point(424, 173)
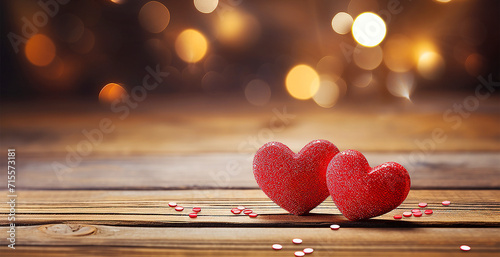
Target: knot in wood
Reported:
point(68, 229)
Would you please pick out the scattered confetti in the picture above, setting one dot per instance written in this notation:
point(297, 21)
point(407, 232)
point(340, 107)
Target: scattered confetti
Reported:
point(417, 214)
point(446, 203)
point(428, 212)
point(241, 208)
point(308, 250)
point(398, 217)
point(465, 248)
point(422, 205)
point(299, 253)
point(297, 241)
point(407, 214)
point(247, 212)
point(253, 215)
point(196, 209)
point(235, 211)
point(277, 247)
point(193, 215)
point(335, 227)
point(179, 208)
point(172, 204)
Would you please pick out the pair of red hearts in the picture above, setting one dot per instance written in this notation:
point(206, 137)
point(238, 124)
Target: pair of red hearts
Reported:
point(300, 182)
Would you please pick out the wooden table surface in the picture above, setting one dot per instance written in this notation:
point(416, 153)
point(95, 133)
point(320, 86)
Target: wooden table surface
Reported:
point(197, 151)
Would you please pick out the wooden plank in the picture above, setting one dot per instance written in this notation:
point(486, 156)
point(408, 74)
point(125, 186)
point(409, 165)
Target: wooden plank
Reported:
point(469, 208)
point(174, 124)
point(62, 239)
point(232, 170)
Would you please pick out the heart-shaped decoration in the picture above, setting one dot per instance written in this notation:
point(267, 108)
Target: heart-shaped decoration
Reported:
point(361, 192)
point(296, 182)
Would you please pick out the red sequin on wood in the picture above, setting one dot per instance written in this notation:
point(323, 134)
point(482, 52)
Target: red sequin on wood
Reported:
point(397, 217)
point(407, 214)
point(235, 211)
point(428, 212)
point(253, 215)
point(196, 209)
point(193, 215)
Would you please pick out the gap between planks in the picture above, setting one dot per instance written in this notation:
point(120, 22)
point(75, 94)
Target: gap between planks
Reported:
point(469, 208)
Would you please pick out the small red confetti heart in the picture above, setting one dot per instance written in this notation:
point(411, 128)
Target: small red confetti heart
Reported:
point(296, 182)
point(361, 192)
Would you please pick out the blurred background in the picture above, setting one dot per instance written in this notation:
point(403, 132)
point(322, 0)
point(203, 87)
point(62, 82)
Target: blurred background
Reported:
point(253, 50)
point(180, 94)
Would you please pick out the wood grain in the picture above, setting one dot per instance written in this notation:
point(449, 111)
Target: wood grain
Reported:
point(111, 240)
point(470, 208)
point(208, 171)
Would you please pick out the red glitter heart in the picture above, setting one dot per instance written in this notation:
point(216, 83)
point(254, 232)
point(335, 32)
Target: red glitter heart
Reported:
point(361, 192)
point(296, 182)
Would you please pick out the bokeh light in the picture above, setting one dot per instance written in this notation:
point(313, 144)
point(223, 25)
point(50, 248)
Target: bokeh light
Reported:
point(356, 7)
point(302, 82)
point(111, 92)
point(258, 92)
point(368, 29)
point(191, 46)
point(400, 84)
point(40, 50)
point(327, 94)
point(154, 17)
point(342, 22)
point(475, 64)
point(430, 65)
point(368, 58)
point(206, 6)
point(237, 29)
point(362, 79)
point(85, 43)
point(331, 66)
point(398, 53)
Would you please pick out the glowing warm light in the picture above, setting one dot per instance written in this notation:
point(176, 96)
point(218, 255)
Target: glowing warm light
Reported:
point(237, 29)
point(40, 50)
point(443, 1)
point(368, 58)
point(111, 92)
point(327, 95)
point(368, 29)
point(362, 79)
point(191, 45)
point(206, 6)
point(154, 17)
point(258, 92)
point(356, 7)
point(302, 82)
point(430, 65)
point(398, 54)
point(331, 66)
point(400, 84)
point(117, 1)
point(342, 22)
